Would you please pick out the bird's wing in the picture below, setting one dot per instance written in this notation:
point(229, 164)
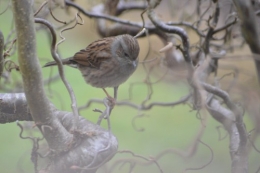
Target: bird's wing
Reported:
point(95, 53)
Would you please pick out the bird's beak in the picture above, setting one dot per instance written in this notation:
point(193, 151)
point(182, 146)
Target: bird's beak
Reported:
point(134, 63)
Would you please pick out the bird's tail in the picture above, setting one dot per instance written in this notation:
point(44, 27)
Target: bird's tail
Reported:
point(67, 61)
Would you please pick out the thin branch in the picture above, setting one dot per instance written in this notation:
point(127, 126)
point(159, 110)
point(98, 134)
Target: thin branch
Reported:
point(77, 17)
point(129, 5)
point(174, 30)
point(212, 27)
point(188, 25)
point(6, 8)
point(225, 26)
point(149, 160)
point(209, 162)
point(1, 54)
point(134, 123)
point(55, 18)
point(7, 52)
point(249, 28)
point(105, 16)
point(140, 107)
point(60, 68)
point(40, 8)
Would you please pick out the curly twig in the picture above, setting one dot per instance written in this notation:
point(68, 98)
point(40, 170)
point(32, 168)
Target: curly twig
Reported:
point(210, 160)
point(140, 107)
point(60, 67)
point(105, 16)
point(149, 160)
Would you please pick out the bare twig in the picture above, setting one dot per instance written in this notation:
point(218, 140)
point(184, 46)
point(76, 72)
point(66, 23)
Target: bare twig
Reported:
point(1, 53)
point(174, 30)
point(111, 18)
point(149, 160)
point(7, 52)
point(6, 8)
point(55, 18)
point(209, 162)
point(34, 153)
point(40, 8)
point(140, 107)
point(134, 123)
point(60, 67)
point(77, 17)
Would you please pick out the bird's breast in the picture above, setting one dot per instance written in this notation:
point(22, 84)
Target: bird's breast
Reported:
point(110, 73)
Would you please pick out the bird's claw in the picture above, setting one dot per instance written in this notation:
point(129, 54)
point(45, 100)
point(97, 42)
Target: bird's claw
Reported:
point(111, 102)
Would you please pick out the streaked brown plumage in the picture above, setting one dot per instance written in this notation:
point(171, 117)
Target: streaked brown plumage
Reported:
point(107, 62)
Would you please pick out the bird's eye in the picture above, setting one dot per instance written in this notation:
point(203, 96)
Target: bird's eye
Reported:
point(126, 55)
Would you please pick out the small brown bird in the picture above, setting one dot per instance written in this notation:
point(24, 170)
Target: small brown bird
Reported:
point(107, 62)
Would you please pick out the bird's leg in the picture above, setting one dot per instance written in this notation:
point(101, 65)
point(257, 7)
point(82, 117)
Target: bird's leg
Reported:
point(106, 93)
point(111, 99)
point(115, 92)
point(111, 102)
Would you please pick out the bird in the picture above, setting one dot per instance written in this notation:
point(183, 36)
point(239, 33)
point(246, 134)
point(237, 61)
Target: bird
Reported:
point(107, 62)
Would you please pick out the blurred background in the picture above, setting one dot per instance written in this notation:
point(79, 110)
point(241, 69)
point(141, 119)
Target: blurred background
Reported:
point(146, 133)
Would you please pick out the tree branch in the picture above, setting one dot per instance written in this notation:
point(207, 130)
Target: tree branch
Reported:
point(237, 131)
point(249, 28)
point(60, 68)
point(14, 107)
point(108, 17)
point(40, 107)
point(1, 53)
point(174, 30)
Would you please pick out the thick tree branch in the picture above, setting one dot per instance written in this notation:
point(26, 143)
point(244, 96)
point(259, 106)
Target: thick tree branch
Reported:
point(38, 103)
point(237, 131)
point(14, 107)
point(129, 5)
point(250, 29)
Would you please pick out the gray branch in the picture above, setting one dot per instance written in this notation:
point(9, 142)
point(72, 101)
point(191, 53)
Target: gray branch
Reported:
point(14, 107)
point(250, 28)
point(1, 53)
point(32, 77)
